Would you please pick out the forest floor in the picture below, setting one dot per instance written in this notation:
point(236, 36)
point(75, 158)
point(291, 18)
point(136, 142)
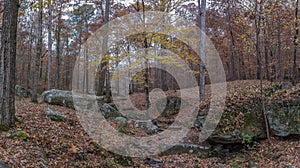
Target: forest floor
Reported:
point(39, 142)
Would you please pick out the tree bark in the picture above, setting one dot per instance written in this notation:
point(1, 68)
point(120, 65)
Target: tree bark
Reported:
point(146, 64)
point(232, 43)
point(58, 52)
point(49, 64)
point(38, 53)
point(8, 64)
point(279, 57)
point(202, 23)
point(259, 56)
point(102, 68)
point(295, 71)
point(29, 59)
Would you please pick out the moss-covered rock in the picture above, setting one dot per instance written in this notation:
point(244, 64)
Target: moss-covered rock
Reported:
point(243, 115)
point(58, 97)
point(284, 112)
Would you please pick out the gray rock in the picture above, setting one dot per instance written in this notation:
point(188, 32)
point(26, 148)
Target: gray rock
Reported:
point(55, 115)
point(227, 132)
point(218, 148)
point(121, 120)
point(58, 97)
point(184, 148)
point(284, 117)
point(227, 138)
point(22, 92)
point(252, 164)
point(198, 123)
point(220, 165)
point(2, 165)
point(286, 85)
point(147, 126)
point(153, 162)
point(109, 112)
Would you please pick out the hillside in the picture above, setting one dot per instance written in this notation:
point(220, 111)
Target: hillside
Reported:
point(37, 141)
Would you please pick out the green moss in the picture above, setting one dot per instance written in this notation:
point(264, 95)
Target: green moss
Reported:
point(19, 135)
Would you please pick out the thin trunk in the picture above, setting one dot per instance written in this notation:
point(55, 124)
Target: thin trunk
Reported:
point(58, 52)
point(29, 59)
point(232, 45)
point(279, 57)
point(259, 56)
point(202, 23)
point(266, 46)
point(146, 64)
point(38, 53)
point(49, 67)
point(163, 75)
point(295, 72)
point(22, 60)
point(102, 68)
point(67, 65)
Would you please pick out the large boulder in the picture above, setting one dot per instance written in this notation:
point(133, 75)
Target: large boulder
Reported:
point(238, 123)
point(284, 113)
point(242, 120)
point(55, 115)
point(58, 97)
point(22, 92)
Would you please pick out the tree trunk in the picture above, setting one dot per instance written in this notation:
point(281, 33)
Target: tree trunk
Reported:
point(67, 65)
point(38, 53)
point(266, 46)
point(279, 57)
point(102, 68)
point(29, 59)
point(49, 67)
point(8, 64)
point(146, 64)
point(295, 71)
point(202, 23)
point(58, 31)
point(232, 45)
point(259, 56)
